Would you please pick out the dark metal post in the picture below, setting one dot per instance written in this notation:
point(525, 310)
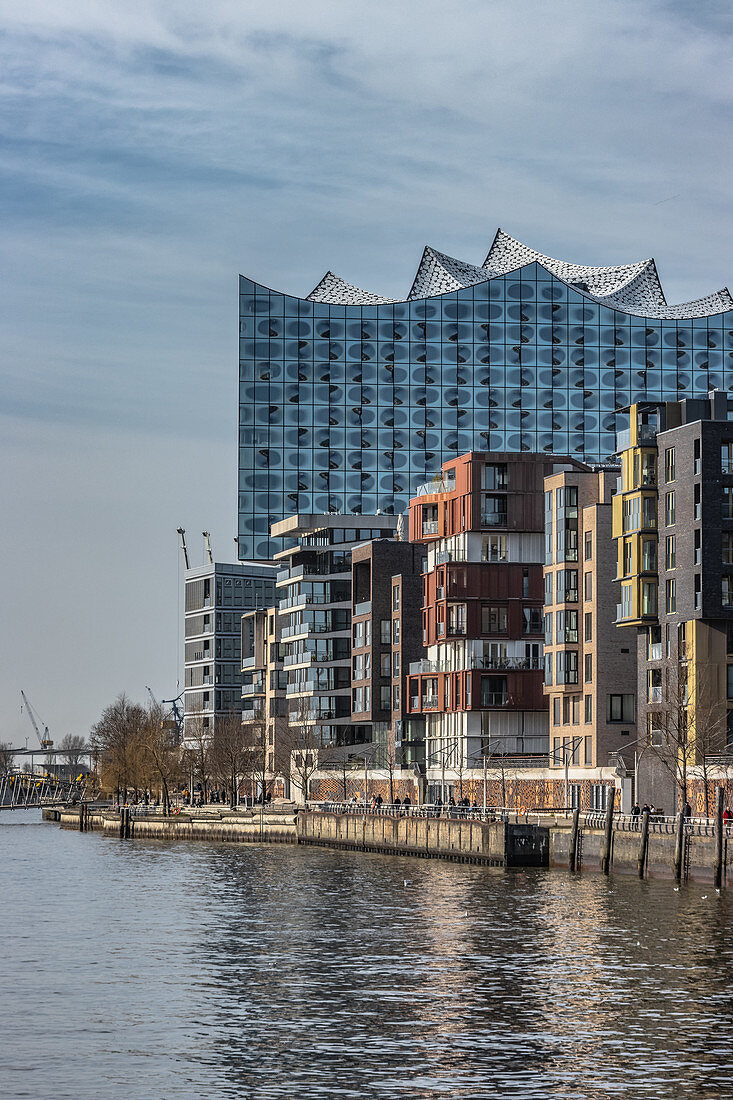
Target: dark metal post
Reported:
point(679, 845)
point(643, 846)
point(719, 839)
point(573, 859)
point(608, 838)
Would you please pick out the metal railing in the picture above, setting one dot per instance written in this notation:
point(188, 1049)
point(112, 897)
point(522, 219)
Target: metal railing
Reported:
point(430, 527)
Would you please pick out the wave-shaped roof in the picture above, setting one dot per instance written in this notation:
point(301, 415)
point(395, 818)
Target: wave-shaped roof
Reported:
point(632, 288)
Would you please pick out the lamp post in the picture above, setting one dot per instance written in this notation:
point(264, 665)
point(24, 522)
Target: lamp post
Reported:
point(442, 752)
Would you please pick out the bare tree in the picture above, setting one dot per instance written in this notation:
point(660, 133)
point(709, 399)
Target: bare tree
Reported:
point(230, 752)
point(7, 755)
point(72, 747)
point(687, 724)
point(162, 754)
point(198, 753)
point(118, 739)
point(300, 745)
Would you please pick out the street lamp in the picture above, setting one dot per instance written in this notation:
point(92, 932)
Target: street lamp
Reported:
point(443, 752)
point(637, 757)
point(568, 748)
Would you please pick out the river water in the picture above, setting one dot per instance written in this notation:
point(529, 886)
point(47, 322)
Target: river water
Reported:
point(142, 971)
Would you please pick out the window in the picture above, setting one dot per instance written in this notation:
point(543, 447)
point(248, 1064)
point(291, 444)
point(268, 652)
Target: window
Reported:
point(571, 585)
point(494, 477)
point(588, 546)
point(588, 668)
point(576, 709)
point(384, 697)
point(669, 465)
point(654, 644)
point(494, 513)
point(367, 632)
point(726, 458)
point(395, 597)
point(619, 708)
point(649, 512)
point(648, 468)
point(549, 587)
point(670, 509)
point(588, 709)
point(384, 631)
point(493, 620)
point(626, 596)
point(631, 508)
point(697, 506)
point(649, 598)
point(727, 592)
point(532, 617)
point(358, 634)
point(588, 752)
point(567, 666)
point(493, 691)
point(556, 704)
point(649, 555)
point(385, 663)
point(548, 628)
point(588, 628)
point(525, 584)
point(456, 620)
point(396, 631)
point(670, 552)
point(654, 685)
point(396, 663)
point(599, 796)
point(727, 502)
point(698, 591)
point(566, 710)
point(588, 586)
point(698, 547)
point(671, 597)
point(730, 681)
point(628, 557)
point(548, 669)
point(727, 548)
point(395, 697)
point(682, 641)
point(357, 666)
point(494, 548)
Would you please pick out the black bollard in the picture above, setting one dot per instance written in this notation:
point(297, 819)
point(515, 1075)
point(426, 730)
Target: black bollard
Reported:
point(679, 845)
point(719, 839)
point(644, 844)
point(608, 838)
point(573, 858)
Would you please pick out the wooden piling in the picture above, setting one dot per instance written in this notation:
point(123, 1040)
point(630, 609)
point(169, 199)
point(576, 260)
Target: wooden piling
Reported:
point(573, 856)
point(644, 844)
point(608, 837)
point(719, 839)
point(679, 845)
point(82, 818)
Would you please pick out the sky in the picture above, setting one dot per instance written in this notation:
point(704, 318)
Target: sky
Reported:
point(150, 151)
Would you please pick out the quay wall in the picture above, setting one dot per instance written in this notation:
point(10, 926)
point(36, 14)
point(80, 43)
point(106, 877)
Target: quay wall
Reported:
point(243, 826)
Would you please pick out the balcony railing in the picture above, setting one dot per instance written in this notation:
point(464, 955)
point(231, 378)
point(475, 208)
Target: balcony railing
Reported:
point(430, 701)
point(298, 658)
point(478, 664)
point(253, 689)
point(493, 519)
point(436, 486)
point(494, 699)
point(430, 527)
point(363, 608)
point(444, 556)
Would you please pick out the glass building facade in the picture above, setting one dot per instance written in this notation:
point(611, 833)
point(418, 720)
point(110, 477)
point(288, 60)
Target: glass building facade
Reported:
point(349, 407)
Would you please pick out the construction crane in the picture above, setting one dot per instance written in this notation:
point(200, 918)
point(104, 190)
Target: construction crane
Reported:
point(184, 548)
point(153, 700)
point(43, 738)
point(177, 720)
point(208, 556)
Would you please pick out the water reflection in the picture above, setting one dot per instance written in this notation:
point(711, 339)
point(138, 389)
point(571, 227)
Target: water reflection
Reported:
point(269, 972)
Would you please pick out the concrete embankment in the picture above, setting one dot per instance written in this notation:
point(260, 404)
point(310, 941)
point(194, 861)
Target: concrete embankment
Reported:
point(272, 826)
point(543, 841)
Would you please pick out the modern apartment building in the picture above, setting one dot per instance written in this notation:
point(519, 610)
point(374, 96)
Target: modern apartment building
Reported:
point(216, 595)
point(673, 525)
point(348, 400)
point(590, 664)
point(314, 584)
point(480, 684)
point(386, 637)
point(264, 680)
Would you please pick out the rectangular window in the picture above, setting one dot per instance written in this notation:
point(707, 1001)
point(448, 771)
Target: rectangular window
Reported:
point(588, 629)
point(727, 592)
point(619, 708)
point(493, 548)
point(576, 709)
point(549, 617)
point(727, 502)
point(628, 557)
point(649, 555)
point(588, 709)
point(494, 513)
point(588, 586)
point(548, 669)
point(384, 696)
point(670, 552)
point(385, 664)
point(730, 681)
point(395, 597)
point(670, 508)
point(588, 668)
point(566, 710)
point(669, 465)
point(697, 505)
point(571, 585)
point(726, 458)
point(654, 685)
point(548, 588)
point(358, 634)
point(396, 631)
point(493, 620)
point(396, 663)
point(525, 584)
point(532, 617)
point(654, 644)
point(367, 632)
point(384, 631)
point(588, 546)
point(649, 513)
point(395, 697)
point(494, 477)
point(648, 598)
point(727, 554)
point(626, 596)
point(571, 626)
point(588, 758)
point(671, 597)
point(556, 704)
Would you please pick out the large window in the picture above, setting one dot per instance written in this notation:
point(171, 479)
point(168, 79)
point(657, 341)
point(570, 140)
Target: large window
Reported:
point(620, 708)
point(669, 465)
point(670, 508)
point(671, 597)
point(727, 510)
point(493, 619)
point(670, 552)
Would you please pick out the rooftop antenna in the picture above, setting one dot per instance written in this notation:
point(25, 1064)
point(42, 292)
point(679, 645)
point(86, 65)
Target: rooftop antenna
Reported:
point(184, 548)
point(208, 556)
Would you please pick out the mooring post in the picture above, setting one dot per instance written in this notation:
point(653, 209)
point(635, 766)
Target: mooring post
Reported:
point(573, 858)
point(719, 839)
point(122, 822)
point(608, 838)
point(644, 843)
point(679, 845)
point(82, 815)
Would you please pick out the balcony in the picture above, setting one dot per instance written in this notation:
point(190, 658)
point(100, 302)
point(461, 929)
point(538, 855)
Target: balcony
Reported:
point(438, 485)
point(494, 699)
point(253, 689)
point(363, 608)
point(493, 519)
point(450, 555)
point(298, 658)
point(429, 701)
point(429, 527)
